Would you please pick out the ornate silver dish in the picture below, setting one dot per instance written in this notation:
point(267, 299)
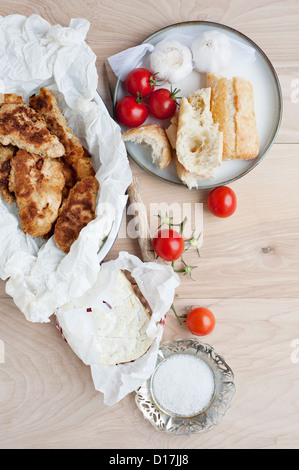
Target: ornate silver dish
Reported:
point(212, 414)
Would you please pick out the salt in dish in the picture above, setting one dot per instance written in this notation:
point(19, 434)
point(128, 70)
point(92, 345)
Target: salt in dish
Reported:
point(166, 397)
point(183, 385)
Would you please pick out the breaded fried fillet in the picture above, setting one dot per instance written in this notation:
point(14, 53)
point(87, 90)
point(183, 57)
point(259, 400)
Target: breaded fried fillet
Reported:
point(10, 98)
point(80, 163)
point(23, 127)
point(47, 106)
point(76, 212)
point(37, 183)
point(6, 153)
point(69, 176)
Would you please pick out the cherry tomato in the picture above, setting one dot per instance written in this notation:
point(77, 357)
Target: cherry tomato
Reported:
point(131, 112)
point(140, 81)
point(222, 201)
point(200, 321)
point(162, 103)
point(168, 244)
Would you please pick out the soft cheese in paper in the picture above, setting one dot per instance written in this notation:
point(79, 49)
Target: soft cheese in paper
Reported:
point(110, 329)
point(34, 54)
point(122, 329)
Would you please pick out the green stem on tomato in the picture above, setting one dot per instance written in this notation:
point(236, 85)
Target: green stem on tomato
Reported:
point(173, 94)
point(174, 310)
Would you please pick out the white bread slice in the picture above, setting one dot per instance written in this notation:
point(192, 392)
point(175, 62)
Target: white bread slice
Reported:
point(154, 137)
point(199, 143)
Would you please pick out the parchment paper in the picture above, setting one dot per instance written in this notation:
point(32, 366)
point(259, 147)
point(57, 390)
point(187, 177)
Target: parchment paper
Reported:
point(42, 280)
point(33, 54)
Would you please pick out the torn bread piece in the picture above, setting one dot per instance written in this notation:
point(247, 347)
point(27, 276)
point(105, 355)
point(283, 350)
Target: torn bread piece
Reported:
point(154, 137)
point(77, 210)
point(37, 184)
point(23, 127)
point(191, 179)
point(172, 129)
point(46, 104)
point(199, 143)
point(122, 328)
point(232, 107)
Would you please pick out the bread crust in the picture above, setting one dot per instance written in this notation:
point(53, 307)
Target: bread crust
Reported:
point(172, 130)
point(232, 107)
point(152, 135)
point(220, 108)
point(247, 142)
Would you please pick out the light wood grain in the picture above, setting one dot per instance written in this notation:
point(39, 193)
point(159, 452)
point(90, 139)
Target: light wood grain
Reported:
point(253, 253)
point(48, 400)
point(247, 272)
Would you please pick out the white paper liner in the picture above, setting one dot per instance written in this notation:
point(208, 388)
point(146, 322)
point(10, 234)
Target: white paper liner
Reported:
point(157, 283)
point(125, 61)
point(33, 54)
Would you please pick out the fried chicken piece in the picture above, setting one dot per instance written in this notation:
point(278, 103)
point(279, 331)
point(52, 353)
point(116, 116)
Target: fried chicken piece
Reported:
point(23, 127)
point(76, 212)
point(69, 176)
point(10, 98)
point(6, 153)
point(81, 164)
point(37, 183)
point(47, 105)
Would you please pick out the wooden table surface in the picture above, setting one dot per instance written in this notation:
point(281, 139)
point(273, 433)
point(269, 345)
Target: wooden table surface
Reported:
point(247, 273)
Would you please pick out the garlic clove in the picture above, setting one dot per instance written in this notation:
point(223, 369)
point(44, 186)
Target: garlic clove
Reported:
point(171, 61)
point(212, 52)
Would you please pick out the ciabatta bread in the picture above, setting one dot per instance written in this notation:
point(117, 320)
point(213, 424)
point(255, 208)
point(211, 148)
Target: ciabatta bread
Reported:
point(199, 143)
point(191, 179)
point(232, 107)
point(172, 130)
point(154, 137)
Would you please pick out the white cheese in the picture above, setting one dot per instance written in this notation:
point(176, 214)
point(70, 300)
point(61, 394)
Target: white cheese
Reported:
point(122, 329)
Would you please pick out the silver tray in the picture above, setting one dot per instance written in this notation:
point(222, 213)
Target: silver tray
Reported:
point(210, 416)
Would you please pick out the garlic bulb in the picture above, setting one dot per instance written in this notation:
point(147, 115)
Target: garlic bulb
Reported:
point(212, 52)
point(171, 61)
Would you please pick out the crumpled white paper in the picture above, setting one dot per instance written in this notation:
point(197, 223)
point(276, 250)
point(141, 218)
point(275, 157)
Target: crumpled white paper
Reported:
point(125, 61)
point(157, 283)
point(33, 54)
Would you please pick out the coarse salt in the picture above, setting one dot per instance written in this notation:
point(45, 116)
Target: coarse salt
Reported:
point(183, 385)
